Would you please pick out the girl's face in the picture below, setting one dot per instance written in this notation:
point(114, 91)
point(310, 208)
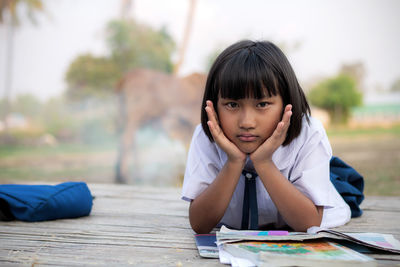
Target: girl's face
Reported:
point(248, 122)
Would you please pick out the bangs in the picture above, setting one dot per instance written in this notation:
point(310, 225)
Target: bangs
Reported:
point(246, 76)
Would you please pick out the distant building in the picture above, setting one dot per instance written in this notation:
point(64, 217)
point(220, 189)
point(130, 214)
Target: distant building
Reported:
point(379, 108)
point(15, 121)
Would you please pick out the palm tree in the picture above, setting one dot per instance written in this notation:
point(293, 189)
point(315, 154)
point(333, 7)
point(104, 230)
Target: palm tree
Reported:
point(186, 35)
point(9, 17)
point(126, 6)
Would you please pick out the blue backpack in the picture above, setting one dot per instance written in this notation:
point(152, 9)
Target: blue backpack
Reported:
point(349, 183)
point(34, 203)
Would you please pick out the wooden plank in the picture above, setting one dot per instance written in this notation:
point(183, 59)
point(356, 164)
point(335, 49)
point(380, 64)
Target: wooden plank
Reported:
point(146, 226)
point(381, 203)
point(109, 255)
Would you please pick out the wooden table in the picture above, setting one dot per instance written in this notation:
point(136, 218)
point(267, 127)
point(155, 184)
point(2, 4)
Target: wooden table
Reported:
point(144, 226)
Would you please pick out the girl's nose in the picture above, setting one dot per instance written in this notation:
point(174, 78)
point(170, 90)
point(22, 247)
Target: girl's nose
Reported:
point(247, 119)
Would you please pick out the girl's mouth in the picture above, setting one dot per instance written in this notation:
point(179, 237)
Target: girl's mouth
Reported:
point(247, 137)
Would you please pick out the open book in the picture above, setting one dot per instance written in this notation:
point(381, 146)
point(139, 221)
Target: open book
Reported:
point(295, 253)
point(206, 245)
point(385, 242)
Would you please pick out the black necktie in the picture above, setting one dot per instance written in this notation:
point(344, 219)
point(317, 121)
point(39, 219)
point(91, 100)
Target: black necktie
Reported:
point(250, 202)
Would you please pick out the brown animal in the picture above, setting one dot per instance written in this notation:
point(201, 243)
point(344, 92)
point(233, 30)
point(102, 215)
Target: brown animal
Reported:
point(149, 95)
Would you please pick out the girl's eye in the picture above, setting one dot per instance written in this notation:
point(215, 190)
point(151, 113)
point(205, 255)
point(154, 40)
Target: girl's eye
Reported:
point(232, 105)
point(262, 104)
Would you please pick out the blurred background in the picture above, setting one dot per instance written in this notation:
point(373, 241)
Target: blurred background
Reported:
point(109, 91)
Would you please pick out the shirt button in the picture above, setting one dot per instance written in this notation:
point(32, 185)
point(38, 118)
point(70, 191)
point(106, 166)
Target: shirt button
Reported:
point(249, 176)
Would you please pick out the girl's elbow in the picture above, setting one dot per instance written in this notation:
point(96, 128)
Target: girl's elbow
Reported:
point(199, 221)
point(309, 221)
point(198, 225)
point(198, 228)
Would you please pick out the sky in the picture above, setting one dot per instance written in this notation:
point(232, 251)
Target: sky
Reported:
point(329, 33)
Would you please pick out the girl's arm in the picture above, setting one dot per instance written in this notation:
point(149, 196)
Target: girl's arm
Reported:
point(206, 211)
point(209, 207)
point(298, 211)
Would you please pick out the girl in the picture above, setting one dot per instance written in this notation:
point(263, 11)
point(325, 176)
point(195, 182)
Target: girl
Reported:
point(259, 159)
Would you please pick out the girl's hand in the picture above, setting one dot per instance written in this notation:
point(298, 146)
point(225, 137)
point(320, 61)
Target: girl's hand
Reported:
point(265, 151)
point(232, 151)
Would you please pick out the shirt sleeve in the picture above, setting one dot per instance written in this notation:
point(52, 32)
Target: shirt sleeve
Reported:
point(311, 170)
point(201, 166)
point(311, 175)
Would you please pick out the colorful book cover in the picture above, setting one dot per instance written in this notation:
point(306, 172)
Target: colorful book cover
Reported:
point(308, 253)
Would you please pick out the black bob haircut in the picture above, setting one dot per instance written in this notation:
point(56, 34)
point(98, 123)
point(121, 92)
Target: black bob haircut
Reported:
point(255, 69)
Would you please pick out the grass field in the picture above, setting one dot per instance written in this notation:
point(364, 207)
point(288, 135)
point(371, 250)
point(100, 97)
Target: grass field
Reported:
point(374, 152)
point(64, 162)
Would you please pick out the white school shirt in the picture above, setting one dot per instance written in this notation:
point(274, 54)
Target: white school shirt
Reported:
point(304, 162)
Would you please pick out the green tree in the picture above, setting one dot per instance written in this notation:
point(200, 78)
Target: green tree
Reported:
point(138, 45)
point(131, 45)
point(61, 119)
point(337, 95)
point(91, 76)
point(28, 105)
point(395, 86)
